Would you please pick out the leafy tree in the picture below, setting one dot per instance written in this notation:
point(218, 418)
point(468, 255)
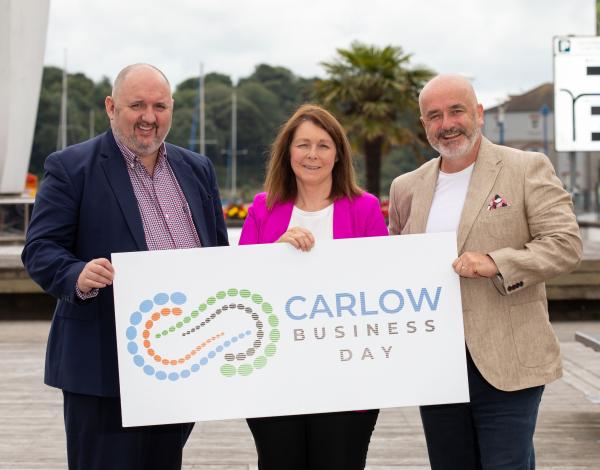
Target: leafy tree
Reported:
point(374, 93)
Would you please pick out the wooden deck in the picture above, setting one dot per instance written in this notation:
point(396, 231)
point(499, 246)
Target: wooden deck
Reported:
point(32, 435)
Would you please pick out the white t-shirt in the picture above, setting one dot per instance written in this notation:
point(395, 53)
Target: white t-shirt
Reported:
point(320, 223)
point(448, 201)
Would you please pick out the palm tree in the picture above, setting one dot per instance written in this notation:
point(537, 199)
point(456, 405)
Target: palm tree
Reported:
point(375, 95)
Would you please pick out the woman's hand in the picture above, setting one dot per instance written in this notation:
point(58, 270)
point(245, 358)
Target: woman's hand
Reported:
point(299, 237)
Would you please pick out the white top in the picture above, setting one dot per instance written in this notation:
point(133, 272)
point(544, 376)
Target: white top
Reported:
point(448, 200)
point(320, 223)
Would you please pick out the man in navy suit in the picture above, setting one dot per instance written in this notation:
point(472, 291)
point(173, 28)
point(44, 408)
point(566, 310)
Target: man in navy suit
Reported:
point(125, 190)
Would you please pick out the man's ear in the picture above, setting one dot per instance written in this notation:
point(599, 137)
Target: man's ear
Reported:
point(109, 105)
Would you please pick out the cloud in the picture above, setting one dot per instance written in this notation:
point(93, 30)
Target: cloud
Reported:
point(505, 46)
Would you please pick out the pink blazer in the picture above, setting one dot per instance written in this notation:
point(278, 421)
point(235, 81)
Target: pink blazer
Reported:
point(352, 218)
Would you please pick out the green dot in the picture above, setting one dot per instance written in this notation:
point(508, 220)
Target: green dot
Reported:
point(171, 329)
point(221, 294)
point(165, 332)
point(157, 336)
point(245, 293)
point(232, 292)
point(245, 369)
point(227, 370)
point(202, 307)
point(266, 307)
point(270, 350)
point(260, 362)
point(274, 335)
point(273, 320)
point(257, 298)
point(211, 300)
point(195, 313)
point(179, 324)
point(187, 320)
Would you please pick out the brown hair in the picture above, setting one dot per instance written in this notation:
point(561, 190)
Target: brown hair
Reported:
point(280, 182)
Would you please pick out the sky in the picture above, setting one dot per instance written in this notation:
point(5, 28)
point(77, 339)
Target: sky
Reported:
point(504, 46)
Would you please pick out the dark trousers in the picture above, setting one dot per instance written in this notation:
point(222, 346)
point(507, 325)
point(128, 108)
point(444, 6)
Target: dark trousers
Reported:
point(492, 432)
point(97, 441)
point(324, 441)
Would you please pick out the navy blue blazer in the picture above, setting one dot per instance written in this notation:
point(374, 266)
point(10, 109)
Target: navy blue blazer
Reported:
point(85, 208)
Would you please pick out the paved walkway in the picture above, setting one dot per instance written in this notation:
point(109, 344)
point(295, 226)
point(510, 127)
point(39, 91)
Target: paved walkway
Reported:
point(32, 437)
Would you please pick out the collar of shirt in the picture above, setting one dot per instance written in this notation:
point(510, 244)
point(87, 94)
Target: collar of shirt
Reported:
point(131, 159)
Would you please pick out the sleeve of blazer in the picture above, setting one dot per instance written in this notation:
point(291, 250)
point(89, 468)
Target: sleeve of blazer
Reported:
point(251, 229)
point(374, 222)
point(48, 253)
point(555, 246)
point(222, 237)
point(399, 208)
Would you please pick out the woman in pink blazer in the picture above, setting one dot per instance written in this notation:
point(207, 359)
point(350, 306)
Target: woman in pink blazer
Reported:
point(312, 195)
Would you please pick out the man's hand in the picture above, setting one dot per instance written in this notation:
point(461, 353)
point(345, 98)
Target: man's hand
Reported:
point(96, 274)
point(473, 264)
point(299, 237)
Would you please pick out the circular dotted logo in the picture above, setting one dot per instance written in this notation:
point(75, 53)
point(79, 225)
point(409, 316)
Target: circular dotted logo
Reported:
point(143, 334)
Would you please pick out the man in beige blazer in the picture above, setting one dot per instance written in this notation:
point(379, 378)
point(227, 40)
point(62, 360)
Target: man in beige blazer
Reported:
point(515, 229)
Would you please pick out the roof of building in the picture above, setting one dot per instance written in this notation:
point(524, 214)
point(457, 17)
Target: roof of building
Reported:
point(530, 101)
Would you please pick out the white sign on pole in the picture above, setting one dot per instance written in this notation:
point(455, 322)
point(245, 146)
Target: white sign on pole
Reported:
point(577, 93)
point(267, 330)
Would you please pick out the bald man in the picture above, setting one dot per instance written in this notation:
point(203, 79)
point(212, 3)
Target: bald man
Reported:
point(515, 229)
point(125, 190)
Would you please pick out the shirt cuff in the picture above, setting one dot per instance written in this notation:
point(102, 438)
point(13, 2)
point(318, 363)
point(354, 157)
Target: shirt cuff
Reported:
point(84, 296)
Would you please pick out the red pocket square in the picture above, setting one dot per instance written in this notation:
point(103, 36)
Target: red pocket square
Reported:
point(496, 202)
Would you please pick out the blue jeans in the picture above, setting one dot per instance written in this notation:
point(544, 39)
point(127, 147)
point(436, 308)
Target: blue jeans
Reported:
point(492, 432)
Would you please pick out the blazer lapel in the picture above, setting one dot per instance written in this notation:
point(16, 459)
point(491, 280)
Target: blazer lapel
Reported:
point(194, 191)
point(113, 164)
point(342, 222)
point(423, 197)
point(485, 172)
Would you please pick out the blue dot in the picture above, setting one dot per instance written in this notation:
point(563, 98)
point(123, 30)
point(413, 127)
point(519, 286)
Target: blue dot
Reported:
point(226, 344)
point(248, 333)
point(234, 339)
point(241, 335)
point(149, 370)
point(195, 368)
point(203, 361)
point(135, 318)
point(185, 373)
point(132, 347)
point(131, 332)
point(146, 306)
point(173, 376)
point(161, 375)
point(178, 298)
point(161, 299)
point(211, 354)
point(219, 348)
point(138, 360)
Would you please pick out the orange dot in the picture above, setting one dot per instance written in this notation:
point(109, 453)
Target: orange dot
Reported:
point(165, 362)
point(146, 334)
point(174, 362)
point(198, 348)
point(176, 311)
point(157, 358)
point(203, 344)
point(188, 357)
point(150, 352)
point(181, 361)
point(155, 316)
point(146, 343)
point(165, 311)
point(193, 352)
point(149, 324)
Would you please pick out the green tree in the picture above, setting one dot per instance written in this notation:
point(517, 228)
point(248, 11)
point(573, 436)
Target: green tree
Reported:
point(374, 93)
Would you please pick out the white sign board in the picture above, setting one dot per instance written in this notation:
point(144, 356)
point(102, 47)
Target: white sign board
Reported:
point(577, 93)
point(266, 330)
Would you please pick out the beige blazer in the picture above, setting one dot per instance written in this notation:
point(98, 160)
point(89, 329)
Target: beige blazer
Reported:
point(531, 240)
